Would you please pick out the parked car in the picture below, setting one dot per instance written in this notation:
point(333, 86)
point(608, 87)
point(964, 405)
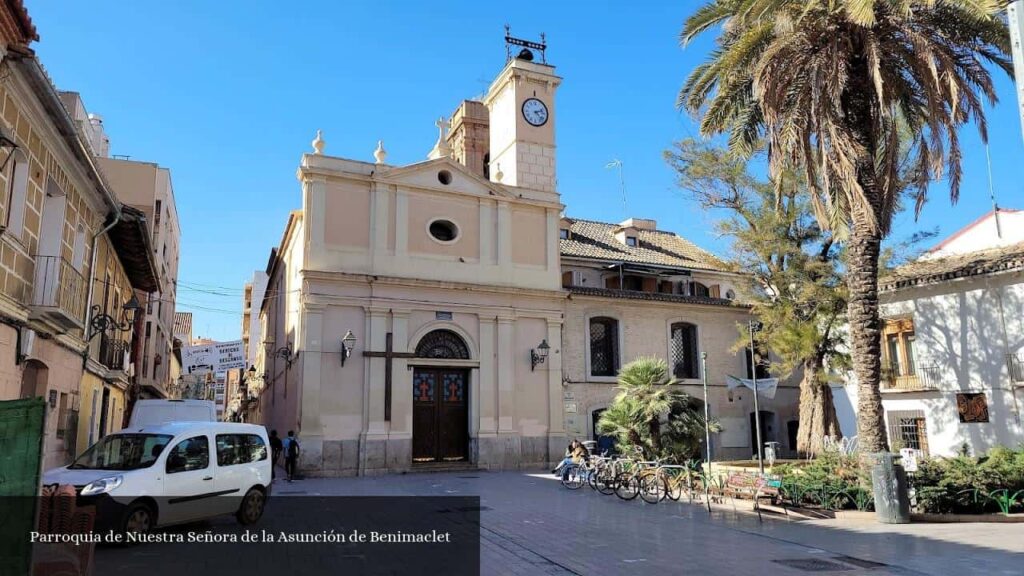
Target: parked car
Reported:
point(144, 477)
point(149, 412)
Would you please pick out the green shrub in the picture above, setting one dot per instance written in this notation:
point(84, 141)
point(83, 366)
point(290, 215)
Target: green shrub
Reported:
point(833, 480)
point(968, 485)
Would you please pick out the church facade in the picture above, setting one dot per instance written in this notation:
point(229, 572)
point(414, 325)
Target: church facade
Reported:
point(419, 316)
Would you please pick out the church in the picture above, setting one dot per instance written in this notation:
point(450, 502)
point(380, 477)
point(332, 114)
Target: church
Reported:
point(445, 314)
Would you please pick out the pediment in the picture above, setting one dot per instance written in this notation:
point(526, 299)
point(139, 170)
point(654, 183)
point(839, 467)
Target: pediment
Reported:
point(429, 175)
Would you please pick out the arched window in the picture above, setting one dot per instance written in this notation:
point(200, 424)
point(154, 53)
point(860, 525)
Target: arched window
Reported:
point(442, 344)
point(684, 353)
point(604, 346)
point(698, 289)
point(17, 193)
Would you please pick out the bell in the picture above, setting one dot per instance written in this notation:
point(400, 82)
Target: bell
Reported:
point(525, 54)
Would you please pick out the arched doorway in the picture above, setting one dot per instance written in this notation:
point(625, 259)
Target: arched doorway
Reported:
point(34, 379)
point(440, 406)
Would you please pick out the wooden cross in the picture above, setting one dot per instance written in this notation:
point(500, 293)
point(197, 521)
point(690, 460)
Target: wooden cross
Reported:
point(388, 355)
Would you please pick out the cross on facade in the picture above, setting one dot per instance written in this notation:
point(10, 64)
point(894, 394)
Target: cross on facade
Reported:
point(388, 355)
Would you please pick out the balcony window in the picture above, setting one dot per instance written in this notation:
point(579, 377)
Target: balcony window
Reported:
point(17, 193)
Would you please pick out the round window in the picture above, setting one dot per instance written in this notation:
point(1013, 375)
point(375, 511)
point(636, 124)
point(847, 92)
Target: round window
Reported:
point(444, 230)
point(730, 295)
point(444, 177)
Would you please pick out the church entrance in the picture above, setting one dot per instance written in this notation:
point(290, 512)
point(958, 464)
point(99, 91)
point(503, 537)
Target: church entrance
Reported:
point(440, 401)
point(440, 415)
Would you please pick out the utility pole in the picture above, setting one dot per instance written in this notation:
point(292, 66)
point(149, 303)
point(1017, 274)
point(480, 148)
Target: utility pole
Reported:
point(755, 326)
point(707, 417)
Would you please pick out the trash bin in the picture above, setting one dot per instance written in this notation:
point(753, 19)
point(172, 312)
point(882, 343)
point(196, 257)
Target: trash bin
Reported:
point(889, 482)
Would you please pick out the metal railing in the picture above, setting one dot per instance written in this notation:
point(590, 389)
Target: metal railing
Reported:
point(1015, 366)
point(921, 378)
point(59, 286)
point(112, 353)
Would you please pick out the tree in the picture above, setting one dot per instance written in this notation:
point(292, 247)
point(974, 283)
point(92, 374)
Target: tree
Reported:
point(792, 268)
point(831, 86)
point(650, 413)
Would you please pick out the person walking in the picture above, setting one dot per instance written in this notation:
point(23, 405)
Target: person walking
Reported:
point(276, 447)
point(291, 454)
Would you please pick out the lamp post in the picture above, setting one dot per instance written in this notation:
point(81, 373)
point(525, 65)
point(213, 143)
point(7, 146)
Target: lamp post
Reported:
point(101, 323)
point(707, 414)
point(755, 326)
point(348, 342)
point(539, 354)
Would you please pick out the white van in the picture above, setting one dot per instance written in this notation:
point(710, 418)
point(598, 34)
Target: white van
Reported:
point(149, 412)
point(143, 477)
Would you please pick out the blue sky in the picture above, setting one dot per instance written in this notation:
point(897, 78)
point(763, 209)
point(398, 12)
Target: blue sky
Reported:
point(228, 96)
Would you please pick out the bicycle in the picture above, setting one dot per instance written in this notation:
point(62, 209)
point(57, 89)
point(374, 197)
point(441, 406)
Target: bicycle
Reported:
point(628, 482)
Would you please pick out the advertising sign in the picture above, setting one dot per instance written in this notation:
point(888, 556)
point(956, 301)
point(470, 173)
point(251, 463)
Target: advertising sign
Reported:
point(213, 357)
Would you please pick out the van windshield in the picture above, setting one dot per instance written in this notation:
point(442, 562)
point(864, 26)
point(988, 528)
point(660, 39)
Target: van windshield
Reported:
point(122, 452)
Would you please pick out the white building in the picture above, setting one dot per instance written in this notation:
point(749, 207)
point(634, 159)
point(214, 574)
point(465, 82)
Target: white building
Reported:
point(953, 342)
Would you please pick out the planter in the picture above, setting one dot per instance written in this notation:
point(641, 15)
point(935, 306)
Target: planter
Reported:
point(949, 518)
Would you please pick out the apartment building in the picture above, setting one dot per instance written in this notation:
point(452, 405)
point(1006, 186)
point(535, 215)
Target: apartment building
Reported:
point(147, 187)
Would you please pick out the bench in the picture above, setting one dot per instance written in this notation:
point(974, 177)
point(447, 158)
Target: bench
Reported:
point(752, 486)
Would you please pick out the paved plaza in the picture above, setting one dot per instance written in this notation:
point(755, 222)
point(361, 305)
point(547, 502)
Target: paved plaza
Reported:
point(531, 525)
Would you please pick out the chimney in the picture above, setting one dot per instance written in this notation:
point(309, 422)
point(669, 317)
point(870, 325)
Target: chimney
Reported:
point(469, 138)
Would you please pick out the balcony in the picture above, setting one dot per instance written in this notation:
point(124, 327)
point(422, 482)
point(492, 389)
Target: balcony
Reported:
point(113, 354)
point(59, 293)
point(918, 379)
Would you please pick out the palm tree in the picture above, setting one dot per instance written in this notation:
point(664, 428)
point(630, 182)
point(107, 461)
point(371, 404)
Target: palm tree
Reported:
point(650, 413)
point(848, 90)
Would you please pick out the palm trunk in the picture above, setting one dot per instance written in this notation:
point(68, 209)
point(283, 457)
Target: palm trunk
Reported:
point(654, 427)
point(817, 412)
point(869, 224)
point(866, 334)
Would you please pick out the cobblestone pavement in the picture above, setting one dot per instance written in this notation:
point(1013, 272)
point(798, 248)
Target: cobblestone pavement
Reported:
point(530, 525)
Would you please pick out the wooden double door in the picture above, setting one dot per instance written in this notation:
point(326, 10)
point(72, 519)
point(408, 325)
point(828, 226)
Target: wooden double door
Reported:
point(440, 415)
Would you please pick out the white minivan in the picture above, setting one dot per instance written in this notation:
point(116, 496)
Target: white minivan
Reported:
point(159, 411)
point(148, 476)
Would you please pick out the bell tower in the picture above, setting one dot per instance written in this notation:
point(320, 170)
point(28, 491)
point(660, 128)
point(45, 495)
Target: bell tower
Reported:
point(521, 109)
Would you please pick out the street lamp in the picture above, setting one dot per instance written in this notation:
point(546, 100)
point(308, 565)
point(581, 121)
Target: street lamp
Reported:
point(539, 354)
point(756, 326)
point(348, 342)
point(102, 323)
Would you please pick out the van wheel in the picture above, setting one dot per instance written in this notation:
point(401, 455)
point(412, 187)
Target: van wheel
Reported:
point(251, 509)
point(138, 519)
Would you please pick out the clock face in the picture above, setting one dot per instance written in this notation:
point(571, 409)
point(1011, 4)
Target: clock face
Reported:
point(535, 112)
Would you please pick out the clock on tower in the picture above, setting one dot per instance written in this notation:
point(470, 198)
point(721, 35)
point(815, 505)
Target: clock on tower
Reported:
point(521, 106)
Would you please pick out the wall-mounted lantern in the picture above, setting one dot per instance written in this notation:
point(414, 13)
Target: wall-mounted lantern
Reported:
point(539, 354)
point(348, 343)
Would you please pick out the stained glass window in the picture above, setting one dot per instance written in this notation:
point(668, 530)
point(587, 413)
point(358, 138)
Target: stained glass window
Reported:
point(423, 384)
point(604, 346)
point(442, 344)
point(454, 387)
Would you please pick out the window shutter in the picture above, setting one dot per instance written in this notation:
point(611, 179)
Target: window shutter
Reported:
point(566, 279)
point(650, 285)
point(715, 291)
point(611, 282)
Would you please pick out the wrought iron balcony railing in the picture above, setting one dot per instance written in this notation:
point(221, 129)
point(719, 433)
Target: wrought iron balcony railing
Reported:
point(900, 379)
point(113, 354)
point(59, 292)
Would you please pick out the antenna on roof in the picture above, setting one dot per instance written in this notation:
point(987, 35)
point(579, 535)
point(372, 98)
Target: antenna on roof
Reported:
point(992, 193)
point(615, 163)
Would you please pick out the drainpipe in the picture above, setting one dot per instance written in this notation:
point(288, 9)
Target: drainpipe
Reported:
point(89, 289)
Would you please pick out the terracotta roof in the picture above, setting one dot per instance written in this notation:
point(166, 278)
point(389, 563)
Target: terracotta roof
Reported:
point(656, 296)
point(596, 240)
point(923, 272)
